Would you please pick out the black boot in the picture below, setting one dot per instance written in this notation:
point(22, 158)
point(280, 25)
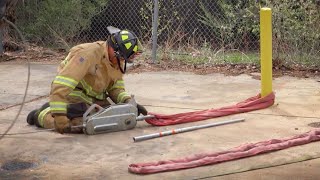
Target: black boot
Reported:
point(31, 118)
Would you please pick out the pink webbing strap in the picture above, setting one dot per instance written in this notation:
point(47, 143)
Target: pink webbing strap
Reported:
point(242, 151)
point(251, 104)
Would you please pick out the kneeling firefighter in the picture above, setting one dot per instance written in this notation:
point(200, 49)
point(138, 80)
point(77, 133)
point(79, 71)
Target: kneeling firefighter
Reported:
point(89, 74)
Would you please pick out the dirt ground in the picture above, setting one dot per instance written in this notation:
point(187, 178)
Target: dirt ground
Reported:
point(163, 89)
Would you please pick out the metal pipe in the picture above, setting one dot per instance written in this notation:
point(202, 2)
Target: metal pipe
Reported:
point(182, 130)
point(155, 30)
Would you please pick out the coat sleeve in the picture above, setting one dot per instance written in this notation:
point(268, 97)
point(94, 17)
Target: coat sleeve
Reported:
point(117, 92)
point(67, 79)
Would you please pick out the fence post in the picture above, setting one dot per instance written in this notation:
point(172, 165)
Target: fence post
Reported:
point(1, 40)
point(155, 30)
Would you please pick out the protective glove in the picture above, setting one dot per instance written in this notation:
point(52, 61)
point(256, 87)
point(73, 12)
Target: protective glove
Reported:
point(141, 110)
point(62, 124)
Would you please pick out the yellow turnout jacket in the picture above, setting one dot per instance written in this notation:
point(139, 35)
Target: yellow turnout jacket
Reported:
point(86, 75)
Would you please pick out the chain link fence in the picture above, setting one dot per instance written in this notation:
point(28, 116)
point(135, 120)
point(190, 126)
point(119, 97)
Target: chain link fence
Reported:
point(197, 31)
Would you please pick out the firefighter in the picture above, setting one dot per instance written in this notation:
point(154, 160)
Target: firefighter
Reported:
point(90, 73)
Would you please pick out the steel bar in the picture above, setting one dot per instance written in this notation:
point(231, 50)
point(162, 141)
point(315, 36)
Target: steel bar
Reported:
point(182, 130)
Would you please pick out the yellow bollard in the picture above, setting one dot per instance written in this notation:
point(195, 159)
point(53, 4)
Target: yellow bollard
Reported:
point(266, 51)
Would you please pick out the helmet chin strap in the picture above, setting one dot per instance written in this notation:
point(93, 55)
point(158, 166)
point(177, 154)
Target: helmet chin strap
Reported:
point(123, 71)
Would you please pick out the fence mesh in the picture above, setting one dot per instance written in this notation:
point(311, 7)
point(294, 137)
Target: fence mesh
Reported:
point(200, 31)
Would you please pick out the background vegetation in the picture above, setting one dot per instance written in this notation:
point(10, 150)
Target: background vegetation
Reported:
point(196, 31)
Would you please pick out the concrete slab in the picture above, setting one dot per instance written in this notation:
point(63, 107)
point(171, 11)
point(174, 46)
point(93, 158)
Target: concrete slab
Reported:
point(107, 156)
point(13, 82)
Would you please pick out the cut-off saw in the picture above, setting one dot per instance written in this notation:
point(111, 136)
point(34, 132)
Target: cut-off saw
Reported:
point(116, 117)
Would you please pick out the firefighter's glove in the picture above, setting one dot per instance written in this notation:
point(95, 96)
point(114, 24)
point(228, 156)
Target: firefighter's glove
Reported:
point(62, 124)
point(142, 110)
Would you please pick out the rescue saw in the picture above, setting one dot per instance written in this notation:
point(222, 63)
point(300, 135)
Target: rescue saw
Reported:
point(116, 117)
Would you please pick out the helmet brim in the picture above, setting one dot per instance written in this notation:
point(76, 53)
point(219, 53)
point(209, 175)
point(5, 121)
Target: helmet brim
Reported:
point(113, 30)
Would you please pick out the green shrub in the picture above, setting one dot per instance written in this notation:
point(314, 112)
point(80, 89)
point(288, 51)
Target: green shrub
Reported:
point(56, 21)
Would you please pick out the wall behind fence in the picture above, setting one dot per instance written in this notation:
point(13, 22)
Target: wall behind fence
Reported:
point(192, 30)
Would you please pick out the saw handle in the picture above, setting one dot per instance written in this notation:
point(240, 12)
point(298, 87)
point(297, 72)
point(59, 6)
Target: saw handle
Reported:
point(92, 107)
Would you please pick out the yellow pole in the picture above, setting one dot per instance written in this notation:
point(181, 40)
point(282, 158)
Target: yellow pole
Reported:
point(266, 51)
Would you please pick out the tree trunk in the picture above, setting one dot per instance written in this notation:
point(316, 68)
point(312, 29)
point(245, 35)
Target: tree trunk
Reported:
point(7, 10)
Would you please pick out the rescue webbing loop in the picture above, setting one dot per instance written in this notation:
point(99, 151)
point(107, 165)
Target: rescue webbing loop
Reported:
point(242, 151)
point(250, 104)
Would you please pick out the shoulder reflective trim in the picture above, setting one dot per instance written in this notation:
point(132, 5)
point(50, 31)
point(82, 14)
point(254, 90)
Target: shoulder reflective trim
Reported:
point(124, 37)
point(118, 85)
point(122, 96)
point(66, 60)
point(128, 45)
point(81, 95)
point(58, 106)
point(42, 115)
point(66, 81)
